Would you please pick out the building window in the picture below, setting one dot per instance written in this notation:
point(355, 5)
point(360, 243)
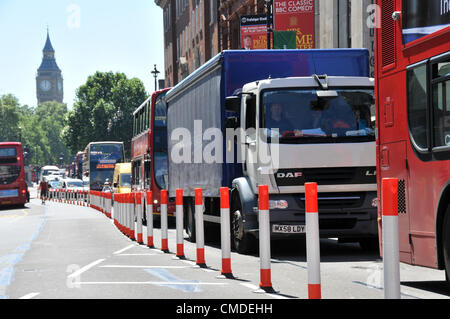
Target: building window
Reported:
point(211, 11)
point(193, 25)
point(200, 16)
point(178, 47)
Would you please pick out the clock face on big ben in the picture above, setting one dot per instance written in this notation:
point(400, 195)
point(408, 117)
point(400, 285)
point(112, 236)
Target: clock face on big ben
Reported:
point(45, 85)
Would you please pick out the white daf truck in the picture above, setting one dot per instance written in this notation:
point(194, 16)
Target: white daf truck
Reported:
point(290, 127)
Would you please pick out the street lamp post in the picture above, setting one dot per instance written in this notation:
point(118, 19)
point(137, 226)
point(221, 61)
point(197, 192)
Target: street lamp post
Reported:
point(269, 13)
point(155, 73)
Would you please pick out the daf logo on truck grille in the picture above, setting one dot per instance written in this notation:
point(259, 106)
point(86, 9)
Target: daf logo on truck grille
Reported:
point(289, 175)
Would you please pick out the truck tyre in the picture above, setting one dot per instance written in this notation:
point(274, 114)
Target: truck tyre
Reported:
point(243, 242)
point(446, 244)
point(190, 220)
point(370, 244)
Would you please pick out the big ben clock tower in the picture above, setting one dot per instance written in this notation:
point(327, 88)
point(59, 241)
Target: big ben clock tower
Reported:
point(49, 82)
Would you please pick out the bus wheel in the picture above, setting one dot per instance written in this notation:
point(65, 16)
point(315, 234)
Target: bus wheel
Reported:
point(446, 244)
point(190, 221)
point(243, 242)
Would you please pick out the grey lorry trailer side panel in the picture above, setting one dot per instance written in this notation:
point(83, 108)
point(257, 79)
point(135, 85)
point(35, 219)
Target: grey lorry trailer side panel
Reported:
point(200, 103)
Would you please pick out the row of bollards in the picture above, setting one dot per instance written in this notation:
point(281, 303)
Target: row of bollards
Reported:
point(129, 206)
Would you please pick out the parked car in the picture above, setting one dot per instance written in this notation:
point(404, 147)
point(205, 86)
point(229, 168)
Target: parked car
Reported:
point(86, 183)
point(73, 184)
point(53, 177)
point(54, 184)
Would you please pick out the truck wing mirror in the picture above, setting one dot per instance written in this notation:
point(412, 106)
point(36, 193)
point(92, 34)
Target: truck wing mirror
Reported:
point(233, 104)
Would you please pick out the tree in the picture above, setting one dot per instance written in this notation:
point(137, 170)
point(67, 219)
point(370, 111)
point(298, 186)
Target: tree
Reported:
point(9, 119)
point(50, 116)
point(41, 135)
point(102, 111)
point(39, 129)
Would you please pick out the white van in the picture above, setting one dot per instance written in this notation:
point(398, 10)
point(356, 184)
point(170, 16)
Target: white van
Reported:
point(47, 170)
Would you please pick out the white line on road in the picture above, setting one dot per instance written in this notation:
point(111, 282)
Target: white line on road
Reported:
point(85, 268)
point(150, 283)
point(139, 266)
point(188, 262)
point(254, 288)
point(30, 295)
point(124, 249)
point(251, 286)
point(138, 254)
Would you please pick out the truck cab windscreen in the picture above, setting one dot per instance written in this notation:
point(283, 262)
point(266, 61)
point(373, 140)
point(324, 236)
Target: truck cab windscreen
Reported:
point(301, 116)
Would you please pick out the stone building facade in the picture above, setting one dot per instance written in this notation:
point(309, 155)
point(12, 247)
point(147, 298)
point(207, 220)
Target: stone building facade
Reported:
point(196, 30)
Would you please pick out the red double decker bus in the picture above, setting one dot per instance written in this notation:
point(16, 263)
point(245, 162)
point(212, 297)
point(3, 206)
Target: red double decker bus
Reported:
point(13, 188)
point(149, 154)
point(413, 124)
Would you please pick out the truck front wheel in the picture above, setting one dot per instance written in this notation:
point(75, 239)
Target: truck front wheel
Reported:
point(243, 242)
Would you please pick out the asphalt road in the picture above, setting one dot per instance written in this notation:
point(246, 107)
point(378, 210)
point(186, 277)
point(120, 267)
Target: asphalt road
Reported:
point(61, 251)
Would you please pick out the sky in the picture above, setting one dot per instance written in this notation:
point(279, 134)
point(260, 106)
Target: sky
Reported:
point(87, 35)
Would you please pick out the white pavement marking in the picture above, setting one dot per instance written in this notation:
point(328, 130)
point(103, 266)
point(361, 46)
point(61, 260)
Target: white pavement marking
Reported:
point(139, 266)
point(251, 286)
point(30, 295)
point(124, 249)
point(138, 254)
point(85, 268)
point(188, 262)
point(254, 288)
point(150, 283)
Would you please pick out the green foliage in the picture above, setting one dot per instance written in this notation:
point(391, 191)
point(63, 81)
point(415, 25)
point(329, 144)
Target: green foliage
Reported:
point(50, 129)
point(102, 111)
point(39, 129)
point(9, 118)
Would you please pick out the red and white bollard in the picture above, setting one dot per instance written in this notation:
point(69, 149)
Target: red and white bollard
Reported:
point(115, 209)
point(149, 212)
point(264, 239)
point(199, 230)
point(122, 207)
point(139, 218)
point(132, 214)
point(164, 222)
point(179, 223)
point(391, 261)
point(225, 238)
point(127, 214)
point(312, 241)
